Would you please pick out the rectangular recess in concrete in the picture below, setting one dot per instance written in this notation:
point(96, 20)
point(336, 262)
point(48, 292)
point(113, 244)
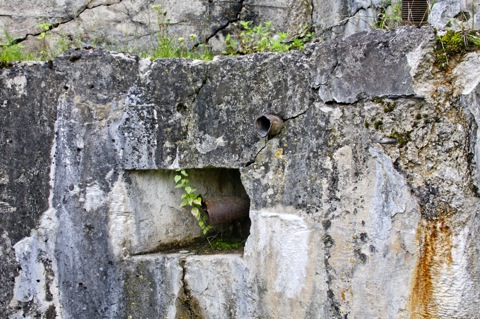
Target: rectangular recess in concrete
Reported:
point(158, 223)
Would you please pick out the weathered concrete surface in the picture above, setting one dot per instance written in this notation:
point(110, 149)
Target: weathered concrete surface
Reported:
point(153, 286)
point(455, 14)
point(129, 24)
point(366, 205)
point(289, 277)
point(26, 138)
point(218, 287)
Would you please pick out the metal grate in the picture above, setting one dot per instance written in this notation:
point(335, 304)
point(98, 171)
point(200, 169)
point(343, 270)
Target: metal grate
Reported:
point(414, 12)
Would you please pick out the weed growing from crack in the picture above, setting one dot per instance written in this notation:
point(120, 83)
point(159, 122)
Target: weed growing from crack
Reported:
point(459, 40)
point(46, 53)
point(167, 47)
point(12, 50)
point(455, 44)
point(248, 39)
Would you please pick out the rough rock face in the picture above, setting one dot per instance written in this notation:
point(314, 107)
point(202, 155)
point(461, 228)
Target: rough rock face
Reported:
point(133, 24)
point(366, 204)
point(455, 14)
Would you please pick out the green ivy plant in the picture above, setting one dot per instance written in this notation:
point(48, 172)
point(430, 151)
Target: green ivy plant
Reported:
point(191, 198)
point(248, 39)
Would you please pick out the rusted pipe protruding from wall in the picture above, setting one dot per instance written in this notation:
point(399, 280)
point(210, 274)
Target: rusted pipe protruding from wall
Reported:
point(224, 210)
point(269, 124)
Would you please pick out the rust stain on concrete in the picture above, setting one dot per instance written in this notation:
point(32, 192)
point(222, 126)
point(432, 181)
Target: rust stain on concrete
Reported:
point(434, 237)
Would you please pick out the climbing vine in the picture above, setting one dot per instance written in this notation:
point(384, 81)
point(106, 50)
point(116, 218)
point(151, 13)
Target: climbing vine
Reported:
point(191, 198)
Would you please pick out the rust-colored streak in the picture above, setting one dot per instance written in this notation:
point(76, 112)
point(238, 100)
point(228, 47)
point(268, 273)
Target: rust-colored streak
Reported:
point(435, 242)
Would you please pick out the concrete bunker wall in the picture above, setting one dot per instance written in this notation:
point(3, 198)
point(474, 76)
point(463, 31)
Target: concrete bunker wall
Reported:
point(375, 168)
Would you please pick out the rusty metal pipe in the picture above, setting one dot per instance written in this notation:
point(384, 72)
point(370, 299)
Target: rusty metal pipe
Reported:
point(269, 124)
point(223, 210)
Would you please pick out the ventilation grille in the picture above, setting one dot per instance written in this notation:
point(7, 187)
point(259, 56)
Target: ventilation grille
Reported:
point(414, 12)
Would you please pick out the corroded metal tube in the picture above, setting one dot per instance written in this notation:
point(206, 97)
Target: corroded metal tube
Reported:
point(269, 124)
point(223, 210)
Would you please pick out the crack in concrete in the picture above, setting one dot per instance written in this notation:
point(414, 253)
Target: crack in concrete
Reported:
point(131, 16)
point(312, 11)
point(184, 295)
point(362, 97)
point(267, 139)
point(204, 82)
point(187, 306)
point(293, 117)
point(344, 21)
point(329, 76)
point(225, 26)
point(99, 5)
point(358, 10)
point(258, 152)
point(57, 24)
point(199, 89)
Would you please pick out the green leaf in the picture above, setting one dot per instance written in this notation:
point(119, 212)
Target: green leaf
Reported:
point(183, 172)
point(179, 186)
point(197, 201)
point(177, 178)
point(245, 24)
point(195, 212)
point(184, 203)
point(188, 189)
point(183, 196)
